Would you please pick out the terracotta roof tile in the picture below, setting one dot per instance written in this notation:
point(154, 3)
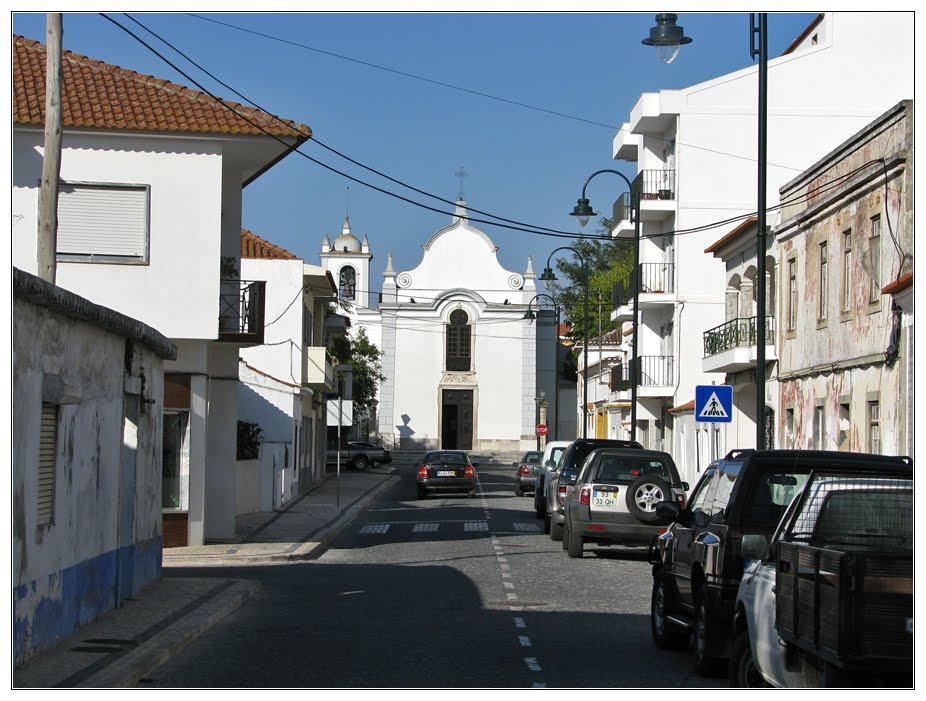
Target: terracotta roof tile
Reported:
point(744, 226)
point(101, 95)
point(253, 246)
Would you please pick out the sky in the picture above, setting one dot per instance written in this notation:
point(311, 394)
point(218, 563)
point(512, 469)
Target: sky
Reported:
point(527, 103)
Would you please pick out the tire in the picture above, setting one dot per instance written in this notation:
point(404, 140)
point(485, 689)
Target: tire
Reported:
point(422, 493)
point(642, 495)
point(743, 671)
point(666, 634)
point(704, 665)
point(546, 524)
point(556, 531)
point(540, 504)
point(518, 492)
point(574, 543)
point(361, 463)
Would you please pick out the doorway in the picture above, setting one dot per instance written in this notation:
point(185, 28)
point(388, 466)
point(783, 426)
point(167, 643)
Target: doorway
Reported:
point(457, 419)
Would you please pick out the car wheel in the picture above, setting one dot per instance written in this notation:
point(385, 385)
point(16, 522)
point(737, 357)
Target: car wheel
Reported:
point(540, 504)
point(704, 664)
point(361, 462)
point(556, 531)
point(422, 492)
point(744, 672)
point(546, 524)
point(518, 492)
point(643, 494)
point(666, 634)
point(574, 543)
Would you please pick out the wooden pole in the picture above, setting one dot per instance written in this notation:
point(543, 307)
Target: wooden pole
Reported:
point(51, 163)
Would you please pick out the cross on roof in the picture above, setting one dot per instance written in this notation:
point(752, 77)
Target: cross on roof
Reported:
point(461, 173)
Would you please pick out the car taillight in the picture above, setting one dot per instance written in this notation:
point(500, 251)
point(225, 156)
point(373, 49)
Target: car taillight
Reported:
point(423, 471)
point(468, 471)
point(525, 470)
point(562, 494)
point(585, 496)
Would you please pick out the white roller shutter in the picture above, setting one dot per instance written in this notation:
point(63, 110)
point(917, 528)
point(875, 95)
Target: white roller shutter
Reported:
point(103, 220)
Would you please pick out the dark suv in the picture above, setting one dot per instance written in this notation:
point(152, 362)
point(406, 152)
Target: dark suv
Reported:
point(697, 562)
point(613, 500)
point(566, 472)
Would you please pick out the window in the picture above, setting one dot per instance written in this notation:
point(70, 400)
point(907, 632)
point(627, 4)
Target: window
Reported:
point(819, 429)
point(844, 437)
point(700, 496)
point(173, 456)
point(789, 427)
point(847, 270)
point(458, 341)
point(792, 294)
point(874, 427)
point(103, 223)
point(874, 252)
point(821, 314)
point(48, 454)
point(347, 285)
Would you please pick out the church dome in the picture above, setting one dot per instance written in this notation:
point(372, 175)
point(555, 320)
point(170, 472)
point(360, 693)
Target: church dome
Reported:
point(346, 241)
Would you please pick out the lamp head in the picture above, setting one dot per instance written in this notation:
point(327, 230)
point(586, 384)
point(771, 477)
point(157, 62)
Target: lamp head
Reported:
point(548, 275)
point(583, 211)
point(529, 315)
point(667, 36)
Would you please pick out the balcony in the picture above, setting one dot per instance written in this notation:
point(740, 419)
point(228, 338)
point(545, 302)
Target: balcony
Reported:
point(241, 311)
point(657, 377)
point(731, 347)
point(657, 194)
point(621, 217)
point(658, 288)
point(319, 369)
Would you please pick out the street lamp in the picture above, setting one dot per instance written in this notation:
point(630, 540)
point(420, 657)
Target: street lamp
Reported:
point(583, 212)
point(549, 276)
point(530, 316)
point(671, 36)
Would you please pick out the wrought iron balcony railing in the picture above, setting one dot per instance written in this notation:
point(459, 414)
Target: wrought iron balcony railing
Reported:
point(656, 371)
point(622, 209)
point(241, 311)
point(736, 333)
point(655, 184)
point(656, 277)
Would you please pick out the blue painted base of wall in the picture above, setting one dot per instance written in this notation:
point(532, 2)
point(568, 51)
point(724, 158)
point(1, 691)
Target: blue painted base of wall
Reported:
point(47, 611)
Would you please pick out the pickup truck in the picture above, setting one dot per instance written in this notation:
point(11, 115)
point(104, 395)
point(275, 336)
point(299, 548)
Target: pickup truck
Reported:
point(358, 455)
point(828, 601)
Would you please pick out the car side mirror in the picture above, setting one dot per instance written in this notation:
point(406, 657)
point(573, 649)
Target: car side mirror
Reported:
point(685, 486)
point(668, 510)
point(550, 465)
point(754, 547)
point(475, 464)
point(514, 464)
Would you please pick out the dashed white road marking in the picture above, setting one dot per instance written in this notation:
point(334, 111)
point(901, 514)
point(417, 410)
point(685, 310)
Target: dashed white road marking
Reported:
point(532, 664)
point(374, 528)
point(425, 527)
point(519, 622)
point(524, 641)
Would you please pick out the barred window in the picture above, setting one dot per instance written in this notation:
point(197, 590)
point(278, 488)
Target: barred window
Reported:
point(874, 248)
point(459, 334)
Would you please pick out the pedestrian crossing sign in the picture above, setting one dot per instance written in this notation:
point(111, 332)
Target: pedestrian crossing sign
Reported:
point(714, 403)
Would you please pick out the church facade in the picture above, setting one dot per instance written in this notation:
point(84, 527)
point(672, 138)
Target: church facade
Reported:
point(464, 369)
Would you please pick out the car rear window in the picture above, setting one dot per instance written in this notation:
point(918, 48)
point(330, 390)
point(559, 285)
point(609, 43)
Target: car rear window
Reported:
point(447, 459)
point(533, 458)
point(624, 470)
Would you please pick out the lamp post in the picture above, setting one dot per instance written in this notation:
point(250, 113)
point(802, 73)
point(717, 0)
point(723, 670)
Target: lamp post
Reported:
point(549, 276)
point(667, 36)
point(530, 316)
point(583, 212)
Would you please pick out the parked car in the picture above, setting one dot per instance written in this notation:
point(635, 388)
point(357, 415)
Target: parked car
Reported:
point(552, 452)
point(838, 575)
point(525, 479)
point(447, 471)
point(613, 500)
point(358, 455)
point(697, 563)
point(566, 472)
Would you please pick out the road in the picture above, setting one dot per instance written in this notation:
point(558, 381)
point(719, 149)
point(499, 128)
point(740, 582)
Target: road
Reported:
point(445, 592)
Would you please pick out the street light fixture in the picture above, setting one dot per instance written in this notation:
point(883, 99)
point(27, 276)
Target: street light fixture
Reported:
point(673, 36)
point(549, 276)
point(583, 212)
point(530, 316)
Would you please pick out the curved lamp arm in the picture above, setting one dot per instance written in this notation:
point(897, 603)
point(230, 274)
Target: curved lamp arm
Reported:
point(583, 209)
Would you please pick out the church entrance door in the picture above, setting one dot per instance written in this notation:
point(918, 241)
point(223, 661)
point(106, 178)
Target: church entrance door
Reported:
point(457, 419)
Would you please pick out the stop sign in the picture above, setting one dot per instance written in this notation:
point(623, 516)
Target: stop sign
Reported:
point(541, 429)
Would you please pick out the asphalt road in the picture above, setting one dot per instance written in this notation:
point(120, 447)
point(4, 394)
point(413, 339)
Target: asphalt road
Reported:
point(449, 592)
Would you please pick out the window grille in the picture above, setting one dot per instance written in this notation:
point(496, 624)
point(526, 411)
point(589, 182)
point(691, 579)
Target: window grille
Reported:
point(48, 452)
point(459, 335)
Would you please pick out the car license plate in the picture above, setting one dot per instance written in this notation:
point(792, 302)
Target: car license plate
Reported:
point(446, 473)
point(606, 500)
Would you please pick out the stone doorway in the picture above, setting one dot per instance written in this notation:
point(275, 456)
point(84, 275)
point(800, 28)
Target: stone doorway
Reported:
point(457, 419)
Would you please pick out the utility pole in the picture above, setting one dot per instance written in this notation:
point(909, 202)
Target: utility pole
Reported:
point(46, 248)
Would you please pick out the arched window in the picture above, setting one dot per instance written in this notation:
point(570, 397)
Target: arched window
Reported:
point(347, 284)
point(458, 341)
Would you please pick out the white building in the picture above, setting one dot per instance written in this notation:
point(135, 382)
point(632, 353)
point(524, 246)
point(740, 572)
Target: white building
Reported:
point(283, 382)
point(460, 360)
point(149, 224)
point(695, 151)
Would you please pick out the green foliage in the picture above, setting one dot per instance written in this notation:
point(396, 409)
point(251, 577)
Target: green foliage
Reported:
point(250, 435)
point(366, 359)
point(609, 261)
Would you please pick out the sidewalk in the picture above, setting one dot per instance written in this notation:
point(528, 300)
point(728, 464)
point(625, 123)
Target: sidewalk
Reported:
point(126, 644)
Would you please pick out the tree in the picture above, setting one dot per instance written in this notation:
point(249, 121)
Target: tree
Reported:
point(365, 357)
point(609, 261)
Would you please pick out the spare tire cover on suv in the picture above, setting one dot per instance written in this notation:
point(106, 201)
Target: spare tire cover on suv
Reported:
point(642, 495)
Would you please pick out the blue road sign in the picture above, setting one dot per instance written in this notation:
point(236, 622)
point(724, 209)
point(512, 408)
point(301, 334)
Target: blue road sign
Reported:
point(714, 403)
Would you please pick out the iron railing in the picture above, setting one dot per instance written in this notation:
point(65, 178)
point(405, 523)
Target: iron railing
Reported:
point(656, 371)
point(241, 311)
point(622, 209)
point(736, 333)
point(657, 277)
point(655, 184)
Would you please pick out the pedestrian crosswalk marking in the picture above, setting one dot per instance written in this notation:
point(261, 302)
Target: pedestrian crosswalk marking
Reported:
point(425, 527)
point(375, 528)
point(527, 527)
point(471, 526)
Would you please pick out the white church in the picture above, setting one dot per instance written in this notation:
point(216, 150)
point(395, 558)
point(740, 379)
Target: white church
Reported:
point(464, 369)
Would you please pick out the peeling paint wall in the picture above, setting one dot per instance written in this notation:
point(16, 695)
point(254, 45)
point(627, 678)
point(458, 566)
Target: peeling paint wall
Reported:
point(834, 364)
point(104, 541)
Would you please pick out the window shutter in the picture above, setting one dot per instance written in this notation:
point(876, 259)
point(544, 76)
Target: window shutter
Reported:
point(103, 221)
point(48, 450)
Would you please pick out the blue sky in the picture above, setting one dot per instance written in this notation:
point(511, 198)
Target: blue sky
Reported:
point(523, 164)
